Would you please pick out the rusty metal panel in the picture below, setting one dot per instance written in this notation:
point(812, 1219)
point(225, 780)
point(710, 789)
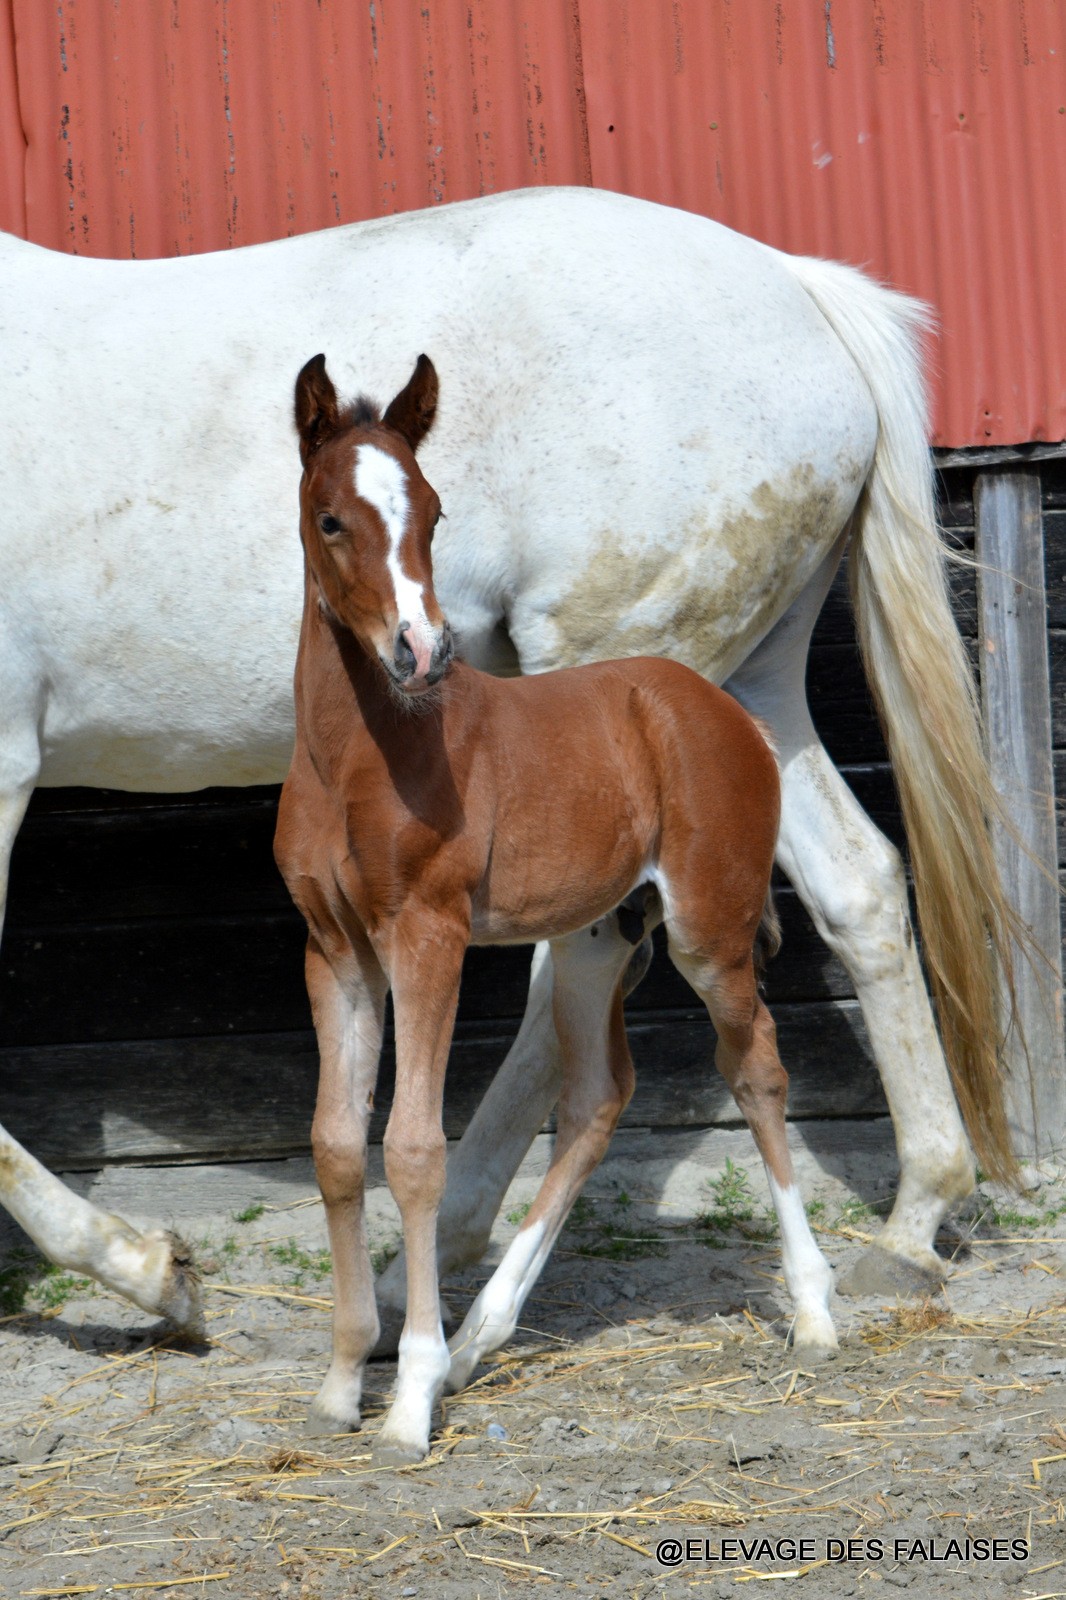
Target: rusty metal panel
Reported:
point(925, 139)
point(926, 142)
point(12, 139)
point(162, 127)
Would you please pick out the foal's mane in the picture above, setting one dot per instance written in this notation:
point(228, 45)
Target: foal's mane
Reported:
point(362, 412)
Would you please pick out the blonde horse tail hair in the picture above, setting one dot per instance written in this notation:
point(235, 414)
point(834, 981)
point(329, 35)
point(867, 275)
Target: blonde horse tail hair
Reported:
point(921, 681)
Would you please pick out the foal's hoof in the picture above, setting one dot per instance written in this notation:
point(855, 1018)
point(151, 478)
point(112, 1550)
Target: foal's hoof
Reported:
point(812, 1337)
point(335, 1408)
point(390, 1452)
point(813, 1352)
point(887, 1275)
point(321, 1426)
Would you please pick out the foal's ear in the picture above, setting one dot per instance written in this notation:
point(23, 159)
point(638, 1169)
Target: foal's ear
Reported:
point(317, 410)
point(411, 413)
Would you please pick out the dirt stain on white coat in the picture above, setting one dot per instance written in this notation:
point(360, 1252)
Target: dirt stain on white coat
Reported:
point(708, 600)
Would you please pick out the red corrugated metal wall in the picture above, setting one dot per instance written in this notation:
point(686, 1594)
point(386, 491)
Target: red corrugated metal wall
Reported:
point(925, 140)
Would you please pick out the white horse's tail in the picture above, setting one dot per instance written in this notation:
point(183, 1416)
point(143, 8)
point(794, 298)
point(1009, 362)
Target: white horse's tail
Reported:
point(917, 668)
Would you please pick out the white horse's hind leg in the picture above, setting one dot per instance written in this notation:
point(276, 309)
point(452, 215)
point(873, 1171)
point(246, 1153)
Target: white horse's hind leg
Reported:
point(851, 880)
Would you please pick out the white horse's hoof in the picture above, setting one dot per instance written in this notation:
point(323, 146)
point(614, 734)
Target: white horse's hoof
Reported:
point(390, 1451)
point(890, 1276)
point(391, 1320)
point(180, 1301)
point(319, 1424)
point(157, 1271)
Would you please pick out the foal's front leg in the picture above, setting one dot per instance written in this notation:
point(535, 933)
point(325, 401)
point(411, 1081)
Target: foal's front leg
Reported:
point(348, 1005)
point(425, 968)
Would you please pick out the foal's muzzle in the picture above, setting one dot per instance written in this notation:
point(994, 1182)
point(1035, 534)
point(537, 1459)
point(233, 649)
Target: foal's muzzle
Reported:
point(421, 658)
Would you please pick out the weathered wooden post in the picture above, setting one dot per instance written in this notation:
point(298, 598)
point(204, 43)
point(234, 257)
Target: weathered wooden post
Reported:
point(1015, 691)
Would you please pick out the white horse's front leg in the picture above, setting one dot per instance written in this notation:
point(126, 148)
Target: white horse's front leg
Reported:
point(155, 1270)
point(152, 1269)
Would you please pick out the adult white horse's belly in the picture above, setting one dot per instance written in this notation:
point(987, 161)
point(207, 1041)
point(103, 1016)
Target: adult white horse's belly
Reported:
point(648, 437)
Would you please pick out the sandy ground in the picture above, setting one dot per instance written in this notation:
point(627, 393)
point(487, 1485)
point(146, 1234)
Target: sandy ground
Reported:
point(649, 1396)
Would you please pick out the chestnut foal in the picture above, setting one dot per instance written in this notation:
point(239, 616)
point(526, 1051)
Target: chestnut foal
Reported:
point(429, 807)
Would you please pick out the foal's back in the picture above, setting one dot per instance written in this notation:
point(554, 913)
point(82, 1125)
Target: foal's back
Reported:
point(608, 774)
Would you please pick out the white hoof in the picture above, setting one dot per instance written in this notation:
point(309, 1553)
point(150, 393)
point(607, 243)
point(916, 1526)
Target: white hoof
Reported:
point(336, 1406)
point(813, 1337)
point(157, 1272)
point(390, 1450)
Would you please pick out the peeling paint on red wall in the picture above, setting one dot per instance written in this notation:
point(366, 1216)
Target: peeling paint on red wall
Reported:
point(926, 142)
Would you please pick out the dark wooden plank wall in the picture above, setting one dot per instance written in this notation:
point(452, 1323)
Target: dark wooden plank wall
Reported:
point(151, 988)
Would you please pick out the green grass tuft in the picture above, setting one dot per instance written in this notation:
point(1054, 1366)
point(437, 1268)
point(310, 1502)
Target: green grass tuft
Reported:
point(608, 1235)
point(317, 1264)
point(30, 1283)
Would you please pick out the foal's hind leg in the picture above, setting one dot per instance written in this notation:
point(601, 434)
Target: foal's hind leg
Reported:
point(748, 1060)
point(597, 1081)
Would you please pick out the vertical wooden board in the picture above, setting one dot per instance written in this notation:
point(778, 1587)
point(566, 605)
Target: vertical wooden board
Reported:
point(1015, 691)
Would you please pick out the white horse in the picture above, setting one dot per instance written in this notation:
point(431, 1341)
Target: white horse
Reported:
point(656, 436)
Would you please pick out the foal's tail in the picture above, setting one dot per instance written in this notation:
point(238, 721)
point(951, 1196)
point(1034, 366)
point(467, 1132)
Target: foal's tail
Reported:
point(921, 681)
point(768, 935)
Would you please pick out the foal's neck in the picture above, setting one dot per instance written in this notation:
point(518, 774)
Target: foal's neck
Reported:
point(348, 711)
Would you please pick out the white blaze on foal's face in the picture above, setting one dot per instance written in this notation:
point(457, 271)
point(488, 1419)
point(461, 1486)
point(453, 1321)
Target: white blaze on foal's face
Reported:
point(380, 481)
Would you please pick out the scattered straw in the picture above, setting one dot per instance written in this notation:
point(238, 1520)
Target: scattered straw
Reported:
point(172, 1583)
point(923, 1317)
point(290, 1460)
point(638, 1395)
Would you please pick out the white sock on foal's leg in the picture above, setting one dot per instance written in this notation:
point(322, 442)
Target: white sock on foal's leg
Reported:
point(493, 1317)
point(807, 1273)
point(404, 1436)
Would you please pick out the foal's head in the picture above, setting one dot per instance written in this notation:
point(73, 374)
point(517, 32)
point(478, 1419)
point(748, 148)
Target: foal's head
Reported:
point(367, 517)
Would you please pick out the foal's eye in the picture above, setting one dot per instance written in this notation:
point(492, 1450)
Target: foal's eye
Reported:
point(329, 524)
